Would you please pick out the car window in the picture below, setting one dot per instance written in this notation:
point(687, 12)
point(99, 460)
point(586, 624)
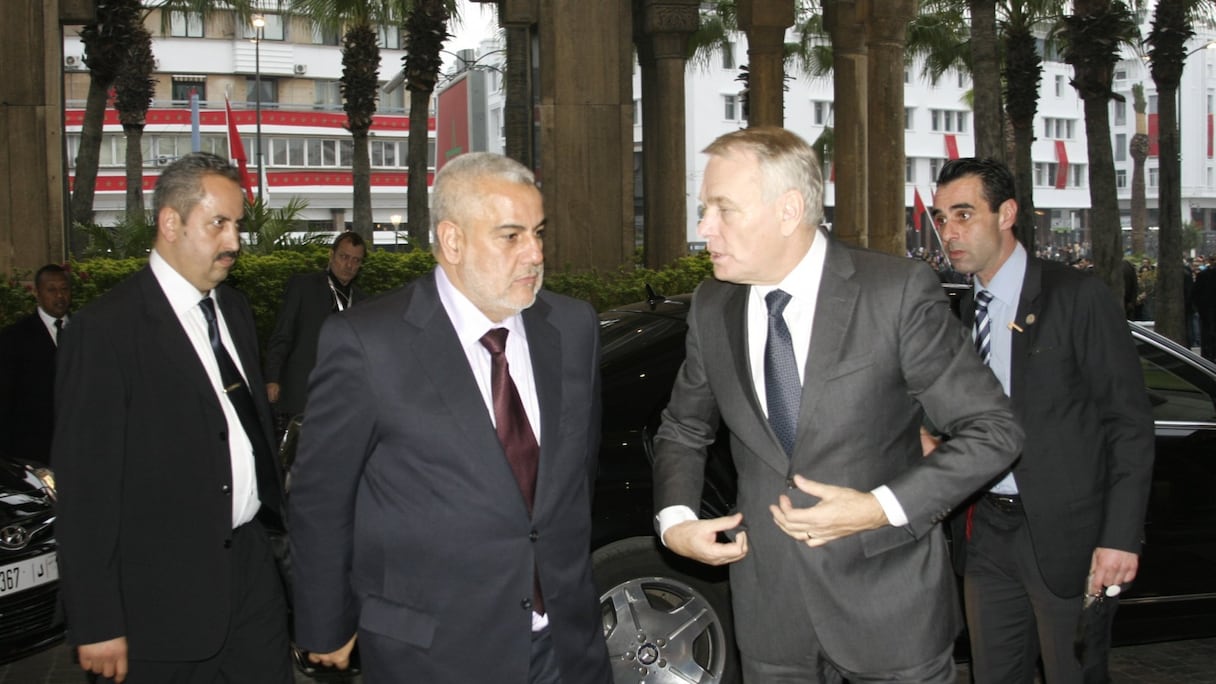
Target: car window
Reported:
point(1178, 390)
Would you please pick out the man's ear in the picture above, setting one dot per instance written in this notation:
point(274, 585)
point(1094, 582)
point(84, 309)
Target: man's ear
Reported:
point(168, 224)
point(792, 207)
point(450, 238)
point(1008, 213)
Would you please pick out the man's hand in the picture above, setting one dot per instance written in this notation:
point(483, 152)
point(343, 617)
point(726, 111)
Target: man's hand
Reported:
point(105, 658)
point(339, 658)
point(1111, 567)
point(272, 391)
point(841, 511)
point(698, 539)
point(928, 443)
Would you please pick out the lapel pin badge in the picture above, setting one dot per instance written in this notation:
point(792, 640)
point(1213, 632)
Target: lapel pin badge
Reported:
point(1015, 326)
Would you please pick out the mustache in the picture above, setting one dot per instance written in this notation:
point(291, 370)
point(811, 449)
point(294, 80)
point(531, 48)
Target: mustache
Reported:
point(231, 253)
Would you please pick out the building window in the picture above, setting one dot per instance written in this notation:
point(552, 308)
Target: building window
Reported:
point(1058, 129)
point(947, 120)
point(907, 76)
point(186, 24)
point(270, 92)
point(935, 119)
point(1152, 104)
point(1120, 112)
point(730, 107)
point(1079, 174)
point(496, 121)
point(1152, 177)
point(909, 170)
point(328, 94)
point(822, 113)
point(909, 117)
point(935, 167)
point(384, 153)
point(1120, 147)
point(325, 36)
point(637, 112)
point(962, 121)
point(273, 30)
point(1121, 179)
point(184, 87)
point(728, 55)
point(392, 102)
point(1059, 86)
point(388, 37)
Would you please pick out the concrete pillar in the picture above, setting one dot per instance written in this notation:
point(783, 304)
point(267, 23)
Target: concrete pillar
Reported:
point(765, 22)
point(661, 32)
point(33, 216)
point(586, 132)
point(886, 37)
point(845, 22)
point(518, 19)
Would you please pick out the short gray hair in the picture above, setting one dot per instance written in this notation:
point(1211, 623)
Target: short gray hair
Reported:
point(787, 162)
point(452, 193)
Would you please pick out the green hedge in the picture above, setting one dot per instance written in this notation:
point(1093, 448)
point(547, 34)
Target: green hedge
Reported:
point(263, 278)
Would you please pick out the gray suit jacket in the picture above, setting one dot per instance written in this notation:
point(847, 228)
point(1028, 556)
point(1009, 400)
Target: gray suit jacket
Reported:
point(885, 351)
point(406, 521)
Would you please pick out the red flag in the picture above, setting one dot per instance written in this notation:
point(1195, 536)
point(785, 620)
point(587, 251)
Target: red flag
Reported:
point(918, 209)
point(237, 151)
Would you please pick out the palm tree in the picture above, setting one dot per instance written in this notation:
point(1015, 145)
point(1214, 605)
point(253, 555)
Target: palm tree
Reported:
point(1139, 153)
point(105, 46)
point(1171, 29)
point(1023, 72)
point(426, 29)
point(1092, 37)
point(359, 83)
point(134, 87)
point(986, 80)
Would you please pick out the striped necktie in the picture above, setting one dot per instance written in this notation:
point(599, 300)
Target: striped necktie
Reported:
point(983, 325)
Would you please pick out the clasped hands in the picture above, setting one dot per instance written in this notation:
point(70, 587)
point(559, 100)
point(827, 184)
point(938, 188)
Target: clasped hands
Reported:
point(840, 512)
point(339, 659)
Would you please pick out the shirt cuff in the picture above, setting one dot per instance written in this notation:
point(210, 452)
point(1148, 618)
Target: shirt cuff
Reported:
point(890, 506)
point(670, 517)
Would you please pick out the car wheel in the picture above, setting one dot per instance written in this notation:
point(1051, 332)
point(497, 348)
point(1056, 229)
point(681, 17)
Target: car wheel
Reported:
point(663, 625)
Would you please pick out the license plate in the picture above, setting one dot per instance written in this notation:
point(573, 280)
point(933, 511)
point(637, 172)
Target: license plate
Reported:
point(28, 573)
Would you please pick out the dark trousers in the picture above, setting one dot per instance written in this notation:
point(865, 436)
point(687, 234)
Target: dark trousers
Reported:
point(255, 650)
point(817, 668)
point(543, 666)
point(1012, 616)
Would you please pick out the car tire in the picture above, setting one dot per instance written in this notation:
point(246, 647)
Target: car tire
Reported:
point(650, 598)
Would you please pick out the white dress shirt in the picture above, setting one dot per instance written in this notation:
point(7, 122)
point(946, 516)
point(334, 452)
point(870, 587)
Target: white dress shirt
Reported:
point(49, 321)
point(184, 298)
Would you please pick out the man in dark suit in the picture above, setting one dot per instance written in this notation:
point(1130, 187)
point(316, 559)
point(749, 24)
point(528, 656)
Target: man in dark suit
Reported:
point(309, 299)
point(163, 463)
point(843, 569)
point(441, 496)
point(1067, 520)
point(1203, 297)
point(27, 368)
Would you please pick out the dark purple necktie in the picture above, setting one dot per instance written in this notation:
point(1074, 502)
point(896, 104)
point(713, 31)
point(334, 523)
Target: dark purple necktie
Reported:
point(514, 431)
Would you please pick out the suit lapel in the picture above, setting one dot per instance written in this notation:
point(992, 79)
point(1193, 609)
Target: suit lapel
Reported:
point(173, 343)
point(833, 317)
point(1028, 318)
point(545, 348)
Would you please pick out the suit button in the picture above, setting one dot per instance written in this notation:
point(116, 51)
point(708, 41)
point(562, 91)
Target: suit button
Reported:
point(533, 535)
point(223, 436)
point(526, 604)
point(227, 490)
point(789, 482)
point(228, 543)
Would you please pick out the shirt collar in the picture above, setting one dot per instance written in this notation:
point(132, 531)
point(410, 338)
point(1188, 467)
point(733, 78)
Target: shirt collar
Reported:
point(1006, 285)
point(803, 281)
point(469, 321)
point(181, 294)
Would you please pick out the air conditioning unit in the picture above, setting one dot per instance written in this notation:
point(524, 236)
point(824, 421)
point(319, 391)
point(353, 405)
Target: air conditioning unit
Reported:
point(73, 62)
point(301, 69)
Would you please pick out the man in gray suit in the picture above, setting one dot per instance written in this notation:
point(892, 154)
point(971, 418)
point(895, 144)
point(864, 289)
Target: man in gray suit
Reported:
point(441, 498)
point(843, 570)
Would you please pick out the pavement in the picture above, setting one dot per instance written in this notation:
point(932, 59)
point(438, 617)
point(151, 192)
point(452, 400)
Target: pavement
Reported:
point(1173, 662)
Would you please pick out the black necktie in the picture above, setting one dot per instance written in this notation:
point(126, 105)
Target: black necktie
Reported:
point(242, 401)
point(782, 385)
point(514, 431)
point(58, 329)
point(983, 325)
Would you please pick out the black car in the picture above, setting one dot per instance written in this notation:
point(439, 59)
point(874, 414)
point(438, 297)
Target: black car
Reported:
point(30, 618)
point(668, 620)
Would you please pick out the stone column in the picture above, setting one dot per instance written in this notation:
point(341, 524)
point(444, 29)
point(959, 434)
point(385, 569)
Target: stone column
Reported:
point(33, 214)
point(845, 23)
point(586, 132)
point(661, 32)
point(765, 22)
point(518, 18)
point(886, 37)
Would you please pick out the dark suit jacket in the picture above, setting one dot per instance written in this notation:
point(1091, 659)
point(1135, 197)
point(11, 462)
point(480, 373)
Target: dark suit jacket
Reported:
point(1078, 391)
point(406, 522)
point(144, 474)
point(292, 350)
point(884, 348)
point(27, 383)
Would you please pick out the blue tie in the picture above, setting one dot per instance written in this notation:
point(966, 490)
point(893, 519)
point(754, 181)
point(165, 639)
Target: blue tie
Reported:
point(983, 325)
point(782, 385)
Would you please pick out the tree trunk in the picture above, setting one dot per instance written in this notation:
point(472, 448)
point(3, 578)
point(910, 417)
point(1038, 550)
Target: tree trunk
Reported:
point(135, 172)
point(89, 152)
point(417, 200)
point(1168, 310)
point(986, 80)
point(361, 180)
